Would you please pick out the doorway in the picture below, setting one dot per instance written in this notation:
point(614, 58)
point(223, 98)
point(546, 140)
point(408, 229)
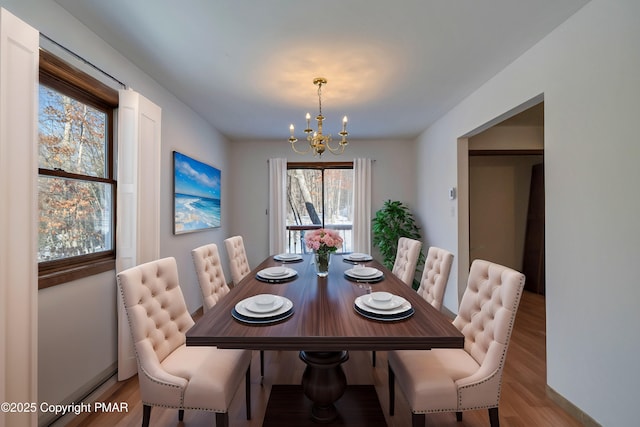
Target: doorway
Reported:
point(506, 212)
point(506, 194)
point(518, 132)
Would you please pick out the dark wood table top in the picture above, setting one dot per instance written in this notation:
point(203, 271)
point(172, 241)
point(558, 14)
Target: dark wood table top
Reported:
point(324, 317)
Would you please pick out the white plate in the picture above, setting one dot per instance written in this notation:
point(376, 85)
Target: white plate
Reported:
point(277, 273)
point(384, 306)
point(288, 257)
point(356, 256)
point(406, 305)
point(242, 308)
point(379, 318)
point(256, 321)
point(274, 271)
point(364, 272)
point(257, 303)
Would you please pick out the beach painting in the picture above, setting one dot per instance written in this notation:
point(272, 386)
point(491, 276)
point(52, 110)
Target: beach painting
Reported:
point(196, 195)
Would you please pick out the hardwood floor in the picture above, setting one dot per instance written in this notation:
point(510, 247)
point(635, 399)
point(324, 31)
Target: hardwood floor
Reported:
point(523, 400)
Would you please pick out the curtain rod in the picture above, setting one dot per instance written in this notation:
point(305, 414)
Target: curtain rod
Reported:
point(372, 161)
point(75, 55)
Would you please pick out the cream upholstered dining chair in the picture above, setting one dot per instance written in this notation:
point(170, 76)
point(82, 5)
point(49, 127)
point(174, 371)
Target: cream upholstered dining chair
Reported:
point(238, 262)
point(435, 275)
point(171, 374)
point(213, 284)
point(406, 261)
point(456, 380)
point(212, 281)
point(434, 279)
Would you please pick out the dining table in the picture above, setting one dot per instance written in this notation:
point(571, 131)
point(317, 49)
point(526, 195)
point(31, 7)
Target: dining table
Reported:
point(323, 318)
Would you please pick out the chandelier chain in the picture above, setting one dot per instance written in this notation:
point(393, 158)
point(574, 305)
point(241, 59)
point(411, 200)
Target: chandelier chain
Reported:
point(320, 98)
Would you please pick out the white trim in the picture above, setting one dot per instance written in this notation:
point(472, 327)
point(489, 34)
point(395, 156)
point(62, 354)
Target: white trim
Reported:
point(19, 61)
point(139, 139)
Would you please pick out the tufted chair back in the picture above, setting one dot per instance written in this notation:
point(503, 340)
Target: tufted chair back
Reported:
point(435, 276)
point(156, 310)
point(171, 374)
point(485, 317)
point(238, 262)
point(406, 261)
point(456, 380)
point(210, 274)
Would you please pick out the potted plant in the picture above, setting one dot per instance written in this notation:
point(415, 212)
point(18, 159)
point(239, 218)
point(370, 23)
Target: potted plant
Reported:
point(393, 221)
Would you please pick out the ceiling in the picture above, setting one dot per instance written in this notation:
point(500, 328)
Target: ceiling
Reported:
point(393, 68)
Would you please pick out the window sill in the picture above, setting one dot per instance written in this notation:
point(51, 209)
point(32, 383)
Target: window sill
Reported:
point(47, 279)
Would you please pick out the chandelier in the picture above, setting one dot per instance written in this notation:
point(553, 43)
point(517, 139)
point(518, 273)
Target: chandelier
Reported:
point(319, 142)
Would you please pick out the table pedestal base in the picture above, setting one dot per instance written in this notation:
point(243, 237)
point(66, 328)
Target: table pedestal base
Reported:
point(324, 382)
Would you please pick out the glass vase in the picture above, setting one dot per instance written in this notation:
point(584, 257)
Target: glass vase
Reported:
point(322, 261)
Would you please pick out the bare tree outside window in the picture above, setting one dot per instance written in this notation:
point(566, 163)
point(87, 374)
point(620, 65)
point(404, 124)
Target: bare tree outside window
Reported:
point(75, 214)
point(319, 197)
point(76, 173)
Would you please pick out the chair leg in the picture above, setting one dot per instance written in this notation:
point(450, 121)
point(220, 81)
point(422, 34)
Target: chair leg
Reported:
point(181, 415)
point(222, 419)
point(458, 416)
point(493, 417)
point(262, 363)
point(373, 358)
point(146, 415)
point(417, 420)
point(392, 390)
point(247, 385)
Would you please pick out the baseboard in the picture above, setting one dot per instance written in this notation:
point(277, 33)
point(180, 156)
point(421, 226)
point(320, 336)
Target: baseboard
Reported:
point(572, 409)
point(87, 394)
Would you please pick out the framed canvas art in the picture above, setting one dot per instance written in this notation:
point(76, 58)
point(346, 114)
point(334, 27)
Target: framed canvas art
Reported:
point(196, 195)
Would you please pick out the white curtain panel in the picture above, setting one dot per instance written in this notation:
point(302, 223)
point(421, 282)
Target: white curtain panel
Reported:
point(138, 216)
point(18, 217)
point(362, 205)
point(277, 205)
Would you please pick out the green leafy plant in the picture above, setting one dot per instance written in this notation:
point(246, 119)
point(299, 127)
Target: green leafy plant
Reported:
point(392, 221)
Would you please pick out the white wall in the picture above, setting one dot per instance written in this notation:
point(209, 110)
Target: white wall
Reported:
point(509, 138)
point(499, 193)
point(587, 70)
point(393, 177)
point(498, 206)
point(76, 336)
point(76, 345)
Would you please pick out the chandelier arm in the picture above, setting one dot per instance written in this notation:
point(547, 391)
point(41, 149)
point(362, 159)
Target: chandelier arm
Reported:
point(337, 150)
point(293, 146)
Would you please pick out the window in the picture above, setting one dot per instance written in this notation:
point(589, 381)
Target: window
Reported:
point(319, 195)
point(76, 183)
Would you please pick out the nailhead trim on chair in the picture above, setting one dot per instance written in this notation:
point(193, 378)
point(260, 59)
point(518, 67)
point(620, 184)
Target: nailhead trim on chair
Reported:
point(218, 411)
point(493, 376)
point(470, 408)
point(503, 357)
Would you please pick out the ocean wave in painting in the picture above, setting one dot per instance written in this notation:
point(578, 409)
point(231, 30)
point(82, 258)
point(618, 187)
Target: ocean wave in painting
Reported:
point(195, 213)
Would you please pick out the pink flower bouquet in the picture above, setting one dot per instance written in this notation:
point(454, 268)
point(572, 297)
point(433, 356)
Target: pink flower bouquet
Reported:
point(323, 240)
